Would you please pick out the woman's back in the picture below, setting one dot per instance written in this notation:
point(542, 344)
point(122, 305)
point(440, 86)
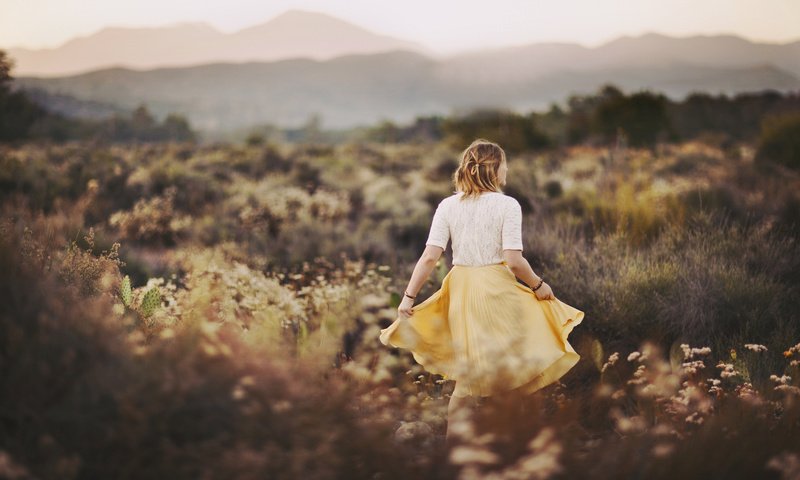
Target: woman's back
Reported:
point(479, 228)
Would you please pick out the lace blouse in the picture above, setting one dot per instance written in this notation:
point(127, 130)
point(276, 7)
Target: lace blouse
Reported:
point(479, 228)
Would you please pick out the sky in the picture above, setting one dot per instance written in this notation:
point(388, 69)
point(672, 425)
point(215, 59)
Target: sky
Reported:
point(444, 26)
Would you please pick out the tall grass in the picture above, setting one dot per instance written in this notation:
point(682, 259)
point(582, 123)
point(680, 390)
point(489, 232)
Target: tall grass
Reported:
point(276, 268)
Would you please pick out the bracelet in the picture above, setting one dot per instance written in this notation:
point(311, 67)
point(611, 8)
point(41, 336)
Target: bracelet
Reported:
point(541, 281)
point(409, 296)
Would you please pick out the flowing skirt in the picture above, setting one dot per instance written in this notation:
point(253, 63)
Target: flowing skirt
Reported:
point(488, 332)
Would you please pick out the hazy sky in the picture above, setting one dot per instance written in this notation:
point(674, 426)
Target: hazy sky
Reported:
point(443, 25)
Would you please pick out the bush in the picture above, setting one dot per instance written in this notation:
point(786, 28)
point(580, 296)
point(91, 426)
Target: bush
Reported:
point(780, 140)
point(152, 220)
point(85, 394)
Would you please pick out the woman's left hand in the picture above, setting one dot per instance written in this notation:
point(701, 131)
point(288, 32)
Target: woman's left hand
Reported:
point(405, 309)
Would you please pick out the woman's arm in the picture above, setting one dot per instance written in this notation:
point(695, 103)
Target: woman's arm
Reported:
point(422, 270)
point(522, 269)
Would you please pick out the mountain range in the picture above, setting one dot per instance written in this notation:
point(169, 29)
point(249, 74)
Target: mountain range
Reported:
point(293, 34)
point(304, 63)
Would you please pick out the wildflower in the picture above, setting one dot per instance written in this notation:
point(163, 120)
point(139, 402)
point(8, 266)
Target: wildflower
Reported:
point(691, 367)
point(632, 424)
point(633, 356)
point(784, 379)
point(467, 454)
point(727, 370)
point(746, 391)
point(788, 389)
point(645, 354)
point(648, 390)
point(689, 353)
point(787, 463)
point(603, 390)
point(715, 390)
point(281, 406)
point(639, 377)
point(612, 359)
point(662, 449)
point(238, 392)
point(209, 349)
point(694, 418)
point(755, 347)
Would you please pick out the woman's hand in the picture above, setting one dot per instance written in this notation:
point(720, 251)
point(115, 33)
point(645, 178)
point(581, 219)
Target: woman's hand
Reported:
point(544, 292)
point(405, 307)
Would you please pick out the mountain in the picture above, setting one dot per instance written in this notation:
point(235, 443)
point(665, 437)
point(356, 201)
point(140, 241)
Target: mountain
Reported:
point(302, 63)
point(295, 33)
point(361, 89)
point(648, 50)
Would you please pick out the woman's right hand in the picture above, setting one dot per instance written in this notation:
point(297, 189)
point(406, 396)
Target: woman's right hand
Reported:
point(544, 292)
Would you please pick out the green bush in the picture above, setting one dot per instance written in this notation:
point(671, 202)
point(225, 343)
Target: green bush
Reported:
point(780, 140)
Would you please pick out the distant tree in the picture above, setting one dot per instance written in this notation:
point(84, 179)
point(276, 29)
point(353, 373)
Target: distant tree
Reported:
point(424, 129)
point(176, 127)
point(610, 92)
point(142, 126)
point(514, 132)
point(579, 123)
point(780, 140)
point(642, 117)
point(386, 132)
point(553, 123)
point(701, 115)
point(141, 119)
point(17, 112)
point(254, 139)
point(6, 64)
point(23, 118)
point(312, 129)
point(427, 129)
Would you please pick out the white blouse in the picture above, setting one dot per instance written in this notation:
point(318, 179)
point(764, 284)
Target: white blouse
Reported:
point(480, 228)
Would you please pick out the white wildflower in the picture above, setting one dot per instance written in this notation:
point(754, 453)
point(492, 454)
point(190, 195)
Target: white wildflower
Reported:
point(755, 347)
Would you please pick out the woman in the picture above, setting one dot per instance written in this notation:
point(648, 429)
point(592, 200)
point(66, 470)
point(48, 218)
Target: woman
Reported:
point(483, 328)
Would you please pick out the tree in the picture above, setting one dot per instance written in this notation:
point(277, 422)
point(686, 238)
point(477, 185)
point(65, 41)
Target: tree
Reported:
point(514, 132)
point(6, 64)
point(17, 112)
point(642, 117)
point(176, 127)
point(780, 140)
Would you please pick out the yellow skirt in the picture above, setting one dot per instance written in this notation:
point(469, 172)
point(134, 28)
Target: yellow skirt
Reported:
point(488, 332)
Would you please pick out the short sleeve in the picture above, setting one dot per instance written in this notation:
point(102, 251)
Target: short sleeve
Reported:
point(512, 226)
point(440, 229)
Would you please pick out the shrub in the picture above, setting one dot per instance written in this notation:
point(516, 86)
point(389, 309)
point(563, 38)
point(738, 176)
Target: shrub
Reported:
point(152, 220)
point(780, 140)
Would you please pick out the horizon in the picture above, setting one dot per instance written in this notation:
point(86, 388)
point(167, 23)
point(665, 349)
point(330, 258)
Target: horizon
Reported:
point(443, 46)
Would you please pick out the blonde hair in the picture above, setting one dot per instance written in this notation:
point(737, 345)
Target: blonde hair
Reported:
point(478, 170)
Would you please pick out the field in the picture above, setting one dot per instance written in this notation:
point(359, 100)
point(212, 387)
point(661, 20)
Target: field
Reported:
point(175, 310)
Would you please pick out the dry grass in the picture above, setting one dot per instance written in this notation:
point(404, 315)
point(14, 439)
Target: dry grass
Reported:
point(262, 358)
